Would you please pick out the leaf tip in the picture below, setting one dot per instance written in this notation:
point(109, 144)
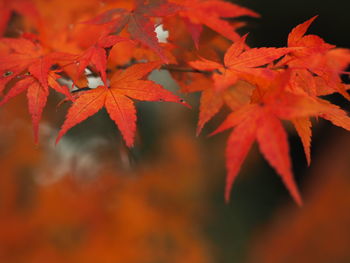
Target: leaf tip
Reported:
point(183, 102)
point(308, 160)
point(198, 130)
point(228, 189)
point(57, 139)
point(213, 133)
point(59, 136)
point(129, 143)
point(294, 192)
point(299, 201)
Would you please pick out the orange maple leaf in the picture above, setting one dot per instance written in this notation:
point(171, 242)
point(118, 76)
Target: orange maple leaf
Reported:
point(37, 94)
point(316, 60)
point(240, 63)
point(96, 55)
point(22, 55)
point(316, 68)
point(197, 13)
point(28, 65)
point(261, 120)
point(139, 23)
point(212, 101)
point(116, 99)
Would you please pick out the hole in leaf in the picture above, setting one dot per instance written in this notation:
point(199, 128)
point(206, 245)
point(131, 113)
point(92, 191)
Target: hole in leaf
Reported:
point(7, 74)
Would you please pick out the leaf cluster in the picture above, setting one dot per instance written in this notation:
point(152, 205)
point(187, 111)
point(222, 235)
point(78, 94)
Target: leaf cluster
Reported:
point(117, 42)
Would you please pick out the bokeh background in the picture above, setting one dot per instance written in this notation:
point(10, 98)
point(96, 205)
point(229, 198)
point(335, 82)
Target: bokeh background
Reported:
point(90, 199)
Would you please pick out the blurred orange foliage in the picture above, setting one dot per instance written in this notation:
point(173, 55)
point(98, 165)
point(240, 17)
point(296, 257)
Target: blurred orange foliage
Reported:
point(149, 214)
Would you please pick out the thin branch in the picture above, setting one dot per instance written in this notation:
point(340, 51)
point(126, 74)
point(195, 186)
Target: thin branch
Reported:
point(173, 68)
point(81, 89)
point(183, 69)
point(176, 69)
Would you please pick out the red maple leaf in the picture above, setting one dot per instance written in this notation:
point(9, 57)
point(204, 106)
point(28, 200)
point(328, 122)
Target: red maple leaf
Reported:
point(96, 55)
point(211, 13)
point(28, 65)
point(239, 64)
point(37, 94)
point(314, 59)
point(138, 21)
point(21, 56)
point(117, 100)
point(261, 120)
point(212, 101)
point(316, 68)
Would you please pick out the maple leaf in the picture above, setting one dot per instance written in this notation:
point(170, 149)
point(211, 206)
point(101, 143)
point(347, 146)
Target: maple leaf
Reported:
point(261, 121)
point(310, 43)
point(24, 56)
point(239, 63)
point(96, 55)
point(138, 21)
point(212, 101)
point(257, 123)
point(197, 13)
point(28, 64)
point(303, 128)
point(316, 68)
point(314, 58)
point(21, 55)
point(37, 94)
point(117, 100)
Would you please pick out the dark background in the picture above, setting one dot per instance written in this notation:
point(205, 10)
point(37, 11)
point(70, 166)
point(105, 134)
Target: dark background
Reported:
point(279, 17)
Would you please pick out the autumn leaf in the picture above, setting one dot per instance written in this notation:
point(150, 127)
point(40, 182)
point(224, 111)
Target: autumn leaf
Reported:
point(314, 55)
point(117, 100)
point(37, 93)
point(21, 55)
point(303, 128)
point(96, 55)
point(261, 121)
point(212, 101)
point(197, 13)
point(138, 21)
point(24, 56)
point(28, 65)
point(256, 123)
point(310, 43)
point(239, 63)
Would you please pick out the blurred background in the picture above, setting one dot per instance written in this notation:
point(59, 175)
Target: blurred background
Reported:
point(90, 199)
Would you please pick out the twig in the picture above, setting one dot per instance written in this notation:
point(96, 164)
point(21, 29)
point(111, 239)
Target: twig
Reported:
point(175, 68)
point(163, 67)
